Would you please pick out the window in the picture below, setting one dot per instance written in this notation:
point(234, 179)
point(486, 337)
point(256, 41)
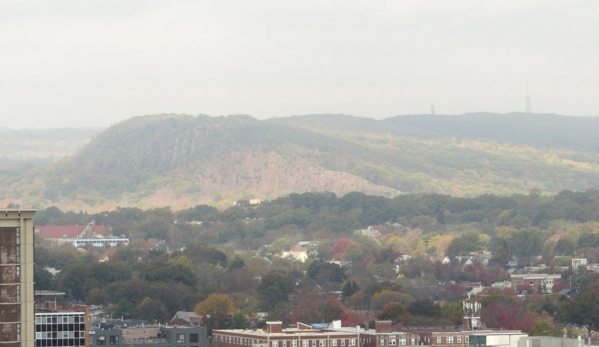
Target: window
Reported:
point(65, 319)
point(18, 326)
point(382, 342)
point(438, 339)
point(194, 338)
point(18, 236)
point(466, 338)
point(449, 339)
point(293, 343)
point(38, 336)
point(275, 344)
point(459, 339)
point(392, 342)
point(323, 343)
point(284, 343)
point(18, 254)
point(114, 339)
point(333, 343)
point(65, 334)
point(38, 320)
point(402, 341)
point(305, 343)
point(342, 342)
point(100, 340)
point(313, 343)
point(18, 293)
point(18, 273)
point(180, 338)
point(352, 342)
point(412, 341)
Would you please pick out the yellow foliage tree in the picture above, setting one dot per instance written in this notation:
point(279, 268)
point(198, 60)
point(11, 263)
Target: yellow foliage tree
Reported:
point(438, 244)
point(216, 303)
point(182, 260)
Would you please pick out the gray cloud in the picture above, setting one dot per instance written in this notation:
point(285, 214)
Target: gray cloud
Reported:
point(79, 63)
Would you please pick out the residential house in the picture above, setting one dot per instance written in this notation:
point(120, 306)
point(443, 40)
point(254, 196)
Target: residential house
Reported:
point(534, 282)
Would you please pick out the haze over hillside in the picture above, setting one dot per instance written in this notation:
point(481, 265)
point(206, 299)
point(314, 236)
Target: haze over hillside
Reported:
point(181, 160)
point(41, 145)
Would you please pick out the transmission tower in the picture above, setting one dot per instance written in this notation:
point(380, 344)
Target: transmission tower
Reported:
point(528, 102)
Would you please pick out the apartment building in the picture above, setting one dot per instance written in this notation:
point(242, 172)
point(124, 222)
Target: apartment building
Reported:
point(17, 322)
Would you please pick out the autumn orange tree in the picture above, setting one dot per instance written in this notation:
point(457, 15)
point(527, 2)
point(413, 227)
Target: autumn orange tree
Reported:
point(216, 303)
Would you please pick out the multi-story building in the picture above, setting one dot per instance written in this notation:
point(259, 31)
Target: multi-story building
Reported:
point(534, 282)
point(497, 339)
point(148, 335)
point(456, 336)
point(61, 328)
point(17, 323)
point(58, 324)
point(382, 335)
point(274, 335)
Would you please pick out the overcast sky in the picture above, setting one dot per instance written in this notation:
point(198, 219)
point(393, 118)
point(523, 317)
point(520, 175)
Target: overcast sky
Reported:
point(95, 63)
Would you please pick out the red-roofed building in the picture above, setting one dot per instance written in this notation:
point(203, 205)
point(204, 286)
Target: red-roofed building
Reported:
point(55, 232)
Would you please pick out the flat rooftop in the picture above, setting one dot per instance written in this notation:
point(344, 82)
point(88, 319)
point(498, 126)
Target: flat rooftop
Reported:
point(285, 332)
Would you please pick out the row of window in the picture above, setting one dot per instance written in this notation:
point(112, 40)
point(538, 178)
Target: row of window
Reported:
point(180, 338)
point(101, 340)
point(450, 339)
point(307, 343)
point(292, 343)
point(60, 343)
point(59, 335)
point(59, 319)
point(394, 342)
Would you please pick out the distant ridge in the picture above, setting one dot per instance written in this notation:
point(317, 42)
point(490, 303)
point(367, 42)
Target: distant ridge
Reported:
point(183, 160)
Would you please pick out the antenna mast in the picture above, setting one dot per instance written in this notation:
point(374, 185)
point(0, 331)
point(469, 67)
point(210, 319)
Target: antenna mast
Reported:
point(433, 110)
point(528, 102)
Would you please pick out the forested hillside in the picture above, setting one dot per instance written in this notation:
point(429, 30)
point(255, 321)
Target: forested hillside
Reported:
point(180, 161)
point(181, 260)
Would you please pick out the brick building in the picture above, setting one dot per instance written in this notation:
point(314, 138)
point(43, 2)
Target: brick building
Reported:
point(274, 335)
point(17, 320)
point(535, 281)
point(382, 335)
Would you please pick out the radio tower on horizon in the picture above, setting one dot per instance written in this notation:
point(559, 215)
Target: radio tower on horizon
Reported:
point(528, 102)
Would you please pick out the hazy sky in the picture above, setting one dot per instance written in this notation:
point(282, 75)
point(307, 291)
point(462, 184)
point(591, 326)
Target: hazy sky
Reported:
point(95, 63)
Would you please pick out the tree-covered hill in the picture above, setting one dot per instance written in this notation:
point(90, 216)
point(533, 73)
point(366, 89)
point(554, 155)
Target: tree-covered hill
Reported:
point(181, 160)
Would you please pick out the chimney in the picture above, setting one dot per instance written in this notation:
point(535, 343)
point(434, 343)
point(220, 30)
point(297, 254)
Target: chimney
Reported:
point(274, 327)
point(466, 323)
point(383, 326)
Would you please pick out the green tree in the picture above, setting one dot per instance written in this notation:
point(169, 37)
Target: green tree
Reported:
point(526, 244)
point(426, 308)
point(122, 309)
point(236, 263)
point(468, 242)
point(239, 322)
point(151, 309)
point(393, 311)
point(583, 310)
point(544, 328)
